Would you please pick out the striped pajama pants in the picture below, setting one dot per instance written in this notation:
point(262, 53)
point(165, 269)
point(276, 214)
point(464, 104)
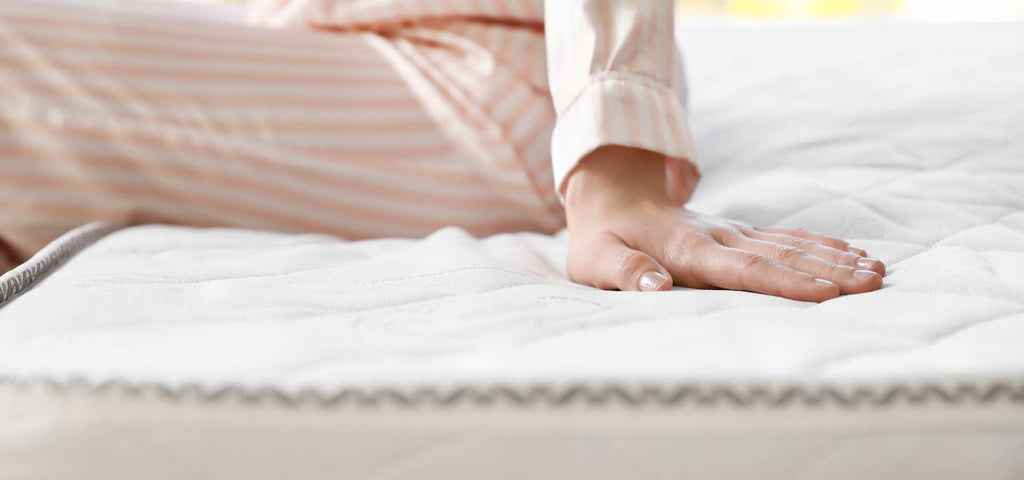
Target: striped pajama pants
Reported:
point(148, 112)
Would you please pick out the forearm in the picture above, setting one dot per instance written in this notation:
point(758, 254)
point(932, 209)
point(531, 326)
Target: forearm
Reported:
point(615, 80)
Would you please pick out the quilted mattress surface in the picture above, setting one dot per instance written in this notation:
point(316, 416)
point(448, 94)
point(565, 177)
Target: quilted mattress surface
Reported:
point(194, 353)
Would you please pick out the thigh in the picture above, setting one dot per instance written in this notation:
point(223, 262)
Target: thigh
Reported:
point(134, 114)
point(8, 258)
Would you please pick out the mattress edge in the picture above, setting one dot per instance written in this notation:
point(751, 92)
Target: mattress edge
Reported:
point(740, 394)
point(23, 277)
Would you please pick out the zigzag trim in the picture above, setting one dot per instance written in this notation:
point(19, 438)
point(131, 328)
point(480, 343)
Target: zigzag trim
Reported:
point(740, 395)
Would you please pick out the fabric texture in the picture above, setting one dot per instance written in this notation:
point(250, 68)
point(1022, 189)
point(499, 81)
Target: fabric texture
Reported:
point(937, 200)
point(264, 355)
point(395, 119)
point(139, 112)
point(615, 73)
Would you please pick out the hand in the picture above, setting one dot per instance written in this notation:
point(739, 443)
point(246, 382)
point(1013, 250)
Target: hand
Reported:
point(625, 233)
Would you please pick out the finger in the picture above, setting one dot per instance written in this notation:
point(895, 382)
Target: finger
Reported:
point(736, 269)
point(833, 242)
point(824, 252)
point(610, 264)
point(856, 250)
point(849, 279)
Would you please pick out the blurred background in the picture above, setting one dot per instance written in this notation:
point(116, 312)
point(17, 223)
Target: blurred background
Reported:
point(913, 10)
point(923, 10)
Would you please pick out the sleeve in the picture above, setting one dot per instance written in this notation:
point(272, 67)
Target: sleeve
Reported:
point(616, 79)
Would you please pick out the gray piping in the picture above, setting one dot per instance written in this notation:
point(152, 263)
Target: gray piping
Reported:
point(24, 276)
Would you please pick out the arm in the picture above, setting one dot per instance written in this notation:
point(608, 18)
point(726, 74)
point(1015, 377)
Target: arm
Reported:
point(622, 155)
point(616, 79)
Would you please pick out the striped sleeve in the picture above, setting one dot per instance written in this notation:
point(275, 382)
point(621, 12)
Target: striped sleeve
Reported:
point(614, 73)
point(371, 14)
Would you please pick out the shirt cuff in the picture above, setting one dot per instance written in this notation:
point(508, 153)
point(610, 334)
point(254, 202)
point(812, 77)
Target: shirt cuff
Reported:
point(620, 109)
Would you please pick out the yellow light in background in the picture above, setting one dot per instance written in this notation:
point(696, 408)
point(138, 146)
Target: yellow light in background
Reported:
point(757, 8)
point(912, 9)
point(799, 8)
point(834, 8)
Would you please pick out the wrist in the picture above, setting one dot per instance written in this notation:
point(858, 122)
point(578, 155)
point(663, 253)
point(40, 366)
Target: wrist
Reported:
point(614, 177)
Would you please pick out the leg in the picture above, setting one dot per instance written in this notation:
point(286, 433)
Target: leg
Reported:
point(8, 259)
point(131, 116)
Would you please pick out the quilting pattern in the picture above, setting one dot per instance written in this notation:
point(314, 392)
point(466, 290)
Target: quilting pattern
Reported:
point(905, 140)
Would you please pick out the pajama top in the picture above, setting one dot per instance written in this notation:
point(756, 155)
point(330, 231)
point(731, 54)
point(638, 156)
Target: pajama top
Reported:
point(612, 67)
point(375, 118)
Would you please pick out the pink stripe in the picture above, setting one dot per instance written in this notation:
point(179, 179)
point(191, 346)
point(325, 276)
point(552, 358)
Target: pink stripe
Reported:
point(456, 95)
point(91, 19)
point(193, 52)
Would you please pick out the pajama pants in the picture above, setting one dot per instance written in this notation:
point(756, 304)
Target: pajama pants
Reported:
point(140, 112)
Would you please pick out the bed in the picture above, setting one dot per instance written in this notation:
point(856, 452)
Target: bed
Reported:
point(162, 352)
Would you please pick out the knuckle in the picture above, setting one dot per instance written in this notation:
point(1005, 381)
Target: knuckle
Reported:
point(683, 257)
point(841, 270)
point(786, 254)
point(801, 243)
point(845, 258)
point(736, 228)
point(683, 243)
point(840, 244)
point(630, 263)
point(725, 232)
point(750, 260)
point(788, 284)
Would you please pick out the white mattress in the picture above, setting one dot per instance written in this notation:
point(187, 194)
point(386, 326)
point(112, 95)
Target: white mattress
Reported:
point(168, 352)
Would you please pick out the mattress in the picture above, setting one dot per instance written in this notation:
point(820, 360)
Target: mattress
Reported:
point(162, 352)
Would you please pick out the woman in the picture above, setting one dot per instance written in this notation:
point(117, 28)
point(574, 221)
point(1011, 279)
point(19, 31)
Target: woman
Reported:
point(386, 118)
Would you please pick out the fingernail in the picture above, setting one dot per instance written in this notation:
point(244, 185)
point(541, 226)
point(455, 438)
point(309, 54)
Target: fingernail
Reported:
point(864, 275)
point(866, 262)
point(652, 281)
point(856, 250)
point(823, 282)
